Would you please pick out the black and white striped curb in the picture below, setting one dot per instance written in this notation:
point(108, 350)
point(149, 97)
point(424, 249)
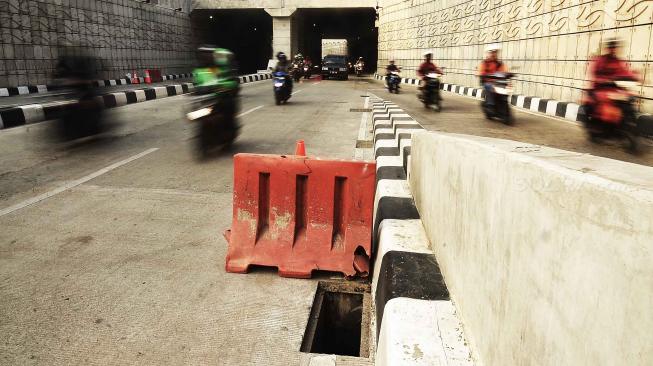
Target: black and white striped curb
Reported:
point(254, 77)
point(553, 108)
point(416, 323)
point(36, 89)
point(32, 113)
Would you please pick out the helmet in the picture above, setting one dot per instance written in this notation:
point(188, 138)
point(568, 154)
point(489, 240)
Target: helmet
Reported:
point(222, 57)
point(205, 55)
point(427, 52)
point(281, 56)
point(360, 58)
point(492, 47)
point(612, 43)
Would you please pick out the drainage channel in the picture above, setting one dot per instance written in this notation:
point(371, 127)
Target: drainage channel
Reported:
point(339, 322)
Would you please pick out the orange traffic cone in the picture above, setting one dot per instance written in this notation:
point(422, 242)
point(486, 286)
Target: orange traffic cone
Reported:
point(148, 79)
point(135, 79)
point(300, 149)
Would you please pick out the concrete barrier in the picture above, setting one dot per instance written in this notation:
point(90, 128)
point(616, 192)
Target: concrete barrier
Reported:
point(548, 254)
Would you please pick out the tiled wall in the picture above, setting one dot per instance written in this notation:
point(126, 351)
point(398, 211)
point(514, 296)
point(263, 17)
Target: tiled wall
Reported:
point(125, 34)
point(548, 43)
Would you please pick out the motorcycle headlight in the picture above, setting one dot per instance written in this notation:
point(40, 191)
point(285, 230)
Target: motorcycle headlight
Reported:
point(343, 69)
point(199, 113)
point(325, 68)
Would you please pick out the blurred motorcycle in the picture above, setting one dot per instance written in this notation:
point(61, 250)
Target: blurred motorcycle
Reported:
point(616, 99)
point(430, 94)
point(394, 80)
point(282, 90)
point(500, 90)
point(215, 119)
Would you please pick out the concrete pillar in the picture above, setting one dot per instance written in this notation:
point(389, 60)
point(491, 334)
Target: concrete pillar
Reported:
point(281, 30)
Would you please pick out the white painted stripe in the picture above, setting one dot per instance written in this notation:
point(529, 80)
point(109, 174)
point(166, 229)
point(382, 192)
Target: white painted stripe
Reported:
point(41, 88)
point(551, 107)
point(250, 111)
point(121, 99)
point(22, 90)
point(572, 111)
point(382, 161)
point(164, 77)
point(296, 92)
point(362, 127)
point(428, 327)
point(33, 112)
point(520, 101)
point(74, 183)
point(123, 81)
point(112, 82)
point(179, 89)
point(140, 95)
point(535, 104)
point(4, 92)
point(160, 91)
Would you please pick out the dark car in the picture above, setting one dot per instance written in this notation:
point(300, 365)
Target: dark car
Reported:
point(335, 66)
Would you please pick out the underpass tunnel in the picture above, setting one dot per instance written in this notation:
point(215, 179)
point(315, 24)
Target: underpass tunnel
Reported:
point(356, 25)
point(246, 32)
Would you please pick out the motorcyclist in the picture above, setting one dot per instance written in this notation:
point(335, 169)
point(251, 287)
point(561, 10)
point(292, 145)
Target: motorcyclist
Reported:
point(605, 70)
point(283, 65)
point(389, 69)
point(490, 65)
point(216, 73)
point(427, 67)
point(360, 63)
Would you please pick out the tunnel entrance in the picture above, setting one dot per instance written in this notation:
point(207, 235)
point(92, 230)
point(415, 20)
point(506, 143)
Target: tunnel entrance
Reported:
point(246, 32)
point(356, 25)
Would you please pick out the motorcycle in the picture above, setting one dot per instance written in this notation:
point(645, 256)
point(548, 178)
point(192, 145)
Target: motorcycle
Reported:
point(394, 80)
point(501, 90)
point(282, 89)
point(307, 71)
point(629, 129)
point(359, 69)
point(215, 121)
point(297, 71)
point(430, 94)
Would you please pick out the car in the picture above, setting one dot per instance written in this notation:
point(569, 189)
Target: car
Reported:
point(335, 66)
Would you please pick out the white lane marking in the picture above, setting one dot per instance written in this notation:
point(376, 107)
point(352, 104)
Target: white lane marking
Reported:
point(317, 82)
point(298, 91)
point(250, 111)
point(362, 129)
point(74, 183)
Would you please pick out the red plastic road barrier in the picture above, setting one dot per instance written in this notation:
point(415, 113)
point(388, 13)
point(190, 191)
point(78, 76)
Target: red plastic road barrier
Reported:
point(301, 214)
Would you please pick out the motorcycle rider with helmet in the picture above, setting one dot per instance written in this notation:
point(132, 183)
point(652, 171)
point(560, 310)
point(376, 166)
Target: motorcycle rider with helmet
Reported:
point(427, 67)
point(605, 71)
point(490, 65)
point(284, 65)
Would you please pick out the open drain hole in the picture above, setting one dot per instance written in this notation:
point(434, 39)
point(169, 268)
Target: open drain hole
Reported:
point(339, 320)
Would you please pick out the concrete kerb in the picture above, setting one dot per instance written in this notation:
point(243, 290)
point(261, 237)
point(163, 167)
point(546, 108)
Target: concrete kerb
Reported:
point(416, 323)
point(33, 113)
point(548, 107)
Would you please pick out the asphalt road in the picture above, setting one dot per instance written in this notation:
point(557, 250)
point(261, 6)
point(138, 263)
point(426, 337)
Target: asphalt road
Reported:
point(126, 266)
point(111, 249)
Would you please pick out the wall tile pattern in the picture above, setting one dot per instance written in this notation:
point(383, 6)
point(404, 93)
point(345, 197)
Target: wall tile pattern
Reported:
point(125, 34)
point(549, 43)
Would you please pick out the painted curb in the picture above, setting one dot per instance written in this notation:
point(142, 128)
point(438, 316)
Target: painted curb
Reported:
point(548, 107)
point(416, 322)
point(33, 113)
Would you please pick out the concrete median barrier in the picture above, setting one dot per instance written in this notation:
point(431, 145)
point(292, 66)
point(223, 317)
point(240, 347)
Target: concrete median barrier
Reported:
point(546, 253)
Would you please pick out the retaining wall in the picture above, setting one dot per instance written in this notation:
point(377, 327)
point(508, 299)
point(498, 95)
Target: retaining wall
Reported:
point(126, 35)
point(547, 253)
point(548, 43)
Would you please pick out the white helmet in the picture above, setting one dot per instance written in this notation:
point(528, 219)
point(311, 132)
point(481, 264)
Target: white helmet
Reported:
point(427, 52)
point(492, 47)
